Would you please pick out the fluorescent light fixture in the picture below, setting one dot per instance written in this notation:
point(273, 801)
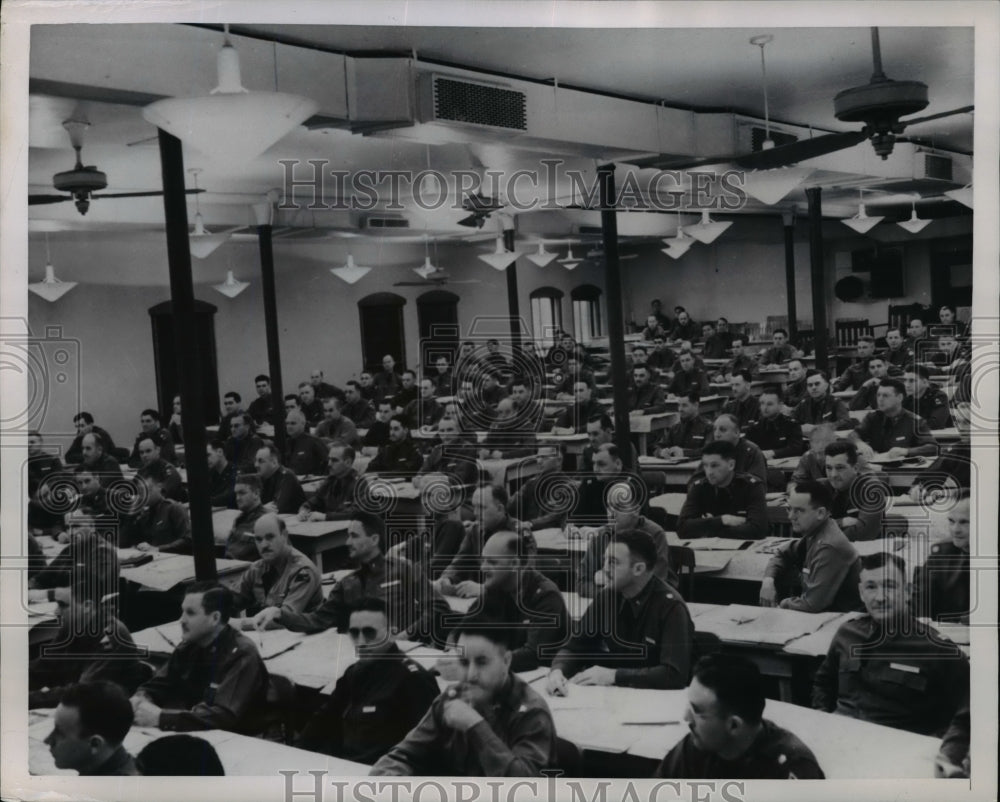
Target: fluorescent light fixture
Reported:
point(963, 195)
point(708, 230)
point(231, 287)
point(500, 259)
point(51, 288)
point(569, 261)
point(770, 186)
point(679, 245)
point(914, 224)
point(861, 222)
point(350, 272)
point(426, 269)
point(543, 257)
point(230, 124)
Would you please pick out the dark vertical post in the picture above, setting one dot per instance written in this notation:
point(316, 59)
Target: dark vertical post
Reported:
point(513, 302)
point(817, 279)
point(788, 219)
point(271, 330)
point(188, 355)
point(616, 317)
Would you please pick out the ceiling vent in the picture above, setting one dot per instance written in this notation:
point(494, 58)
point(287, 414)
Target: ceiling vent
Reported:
point(454, 100)
point(934, 166)
point(758, 135)
point(383, 221)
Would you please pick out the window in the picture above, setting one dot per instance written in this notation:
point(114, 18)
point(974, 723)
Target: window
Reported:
point(588, 316)
point(381, 317)
point(546, 315)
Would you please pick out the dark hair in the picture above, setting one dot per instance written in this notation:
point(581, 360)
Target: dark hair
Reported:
point(349, 452)
point(744, 374)
point(639, 348)
point(640, 367)
point(369, 604)
point(483, 625)
point(820, 495)
point(152, 413)
point(234, 395)
point(796, 359)
point(214, 597)
point(895, 384)
point(157, 472)
point(355, 384)
point(736, 682)
point(838, 447)
point(386, 401)
point(896, 329)
point(251, 480)
point(179, 755)
point(293, 396)
point(779, 331)
point(872, 562)
point(611, 449)
point(262, 377)
point(866, 338)
point(722, 448)
point(103, 707)
point(271, 449)
point(372, 524)
point(817, 372)
point(640, 546)
point(217, 444)
point(771, 389)
point(402, 420)
point(950, 308)
point(693, 396)
point(919, 371)
point(604, 419)
point(243, 416)
point(86, 417)
point(735, 421)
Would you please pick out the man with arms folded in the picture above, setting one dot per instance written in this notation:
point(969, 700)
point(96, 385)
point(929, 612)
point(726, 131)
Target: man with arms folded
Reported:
point(820, 405)
point(337, 498)
point(859, 499)
point(780, 351)
point(240, 545)
point(491, 724)
point(724, 503)
point(639, 622)
point(280, 490)
point(688, 436)
point(878, 369)
point(215, 678)
point(888, 668)
point(532, 503)
point(282, 577)
point(818, 572)
point(893, 431)
point(729, 736)
point(89, 726)
point(377, 701)
point(688, 377)
point(742, 405)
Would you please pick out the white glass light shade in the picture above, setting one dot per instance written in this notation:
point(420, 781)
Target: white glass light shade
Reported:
point(708, 230)
point(51, 288)
point(500, 259)
point(350, 272)
point(231, 287)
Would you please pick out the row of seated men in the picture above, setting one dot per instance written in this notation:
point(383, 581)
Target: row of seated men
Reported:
point(387, 711)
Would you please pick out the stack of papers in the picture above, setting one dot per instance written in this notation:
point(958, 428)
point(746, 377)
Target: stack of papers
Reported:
point(739, 623)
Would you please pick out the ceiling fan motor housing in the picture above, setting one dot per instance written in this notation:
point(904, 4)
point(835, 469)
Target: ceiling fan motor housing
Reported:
point(82, 179)
point(879, 105)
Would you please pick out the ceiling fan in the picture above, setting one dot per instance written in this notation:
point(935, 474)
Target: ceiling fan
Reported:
point(880, 105)
point(81, 182)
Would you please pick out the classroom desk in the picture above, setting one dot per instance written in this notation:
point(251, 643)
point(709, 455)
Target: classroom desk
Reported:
point(312, 538)
point(241, 755)
point(573, 443)
point(509, 471)
point(678, 471)
point(645, 425)
point(169, 570)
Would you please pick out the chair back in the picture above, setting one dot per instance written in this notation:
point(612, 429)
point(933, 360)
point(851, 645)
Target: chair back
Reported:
point(682, 561)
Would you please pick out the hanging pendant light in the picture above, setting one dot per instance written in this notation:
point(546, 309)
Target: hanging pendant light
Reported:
point(543, 257)
point(708, 230)
point(501, 258)
point(350, 272)
point(427, 268)
point(861, 222)
point(963, 195)
point(231, 287)
point(200, 241)
point(569, 261)
point(230, 124)
point(679, 245)
point(50, 288)
point(914, 224)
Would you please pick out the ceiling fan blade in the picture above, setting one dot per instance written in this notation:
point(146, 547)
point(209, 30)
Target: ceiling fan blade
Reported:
point(151, 193)
point(915, 120)
point(675, 163)
point(786, 155)
point(39, 200)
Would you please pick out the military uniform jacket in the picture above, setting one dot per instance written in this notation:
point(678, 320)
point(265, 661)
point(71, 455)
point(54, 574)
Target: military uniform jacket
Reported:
point(852, 378)
point(377, 434)
point(537, 619)
point(529, 503)
point(689, 331)
point(397, 458)
point(683, 382)
point(240, 545)
point(741, 362)
point(83, 657)
point(164, 524)
point(162, 438)
point(94, 560)
point(865, 499)
point(372, 708)
point(865, 397)
point(795, 392)
point(305, 455)
point(941, 585)
point(411, 600)
point(342, 430)
point(261, 409)
point(714, 348)
point(648, 399)
point(818, 572)
point(932, 406)
point(776, 754)
point(647, 639)
point(746, 410)
point(75, 453)
point(283, 489)
point(173, 485)
point(745, 495)
point(444, 383)
point(106, 469)
point(691, 435)
point(811, 467)
point(216, 687)
point(457, 459)
point(776, 354)
point(222, 486)
point(827, 409)
point(386, 384)
point(243, 452)
point(510, 437)
point(423, 411)
point(336, 497)
point(516, 738)
point(781, 434)
point(899, 358)
point(576, 415)
point(593, 558)
point(905, 430)
point(360, 412)
point(465, 564)
point(294, 583)
point(910, 679)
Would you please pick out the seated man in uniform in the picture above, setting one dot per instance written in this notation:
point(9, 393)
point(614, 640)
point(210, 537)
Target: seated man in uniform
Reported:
point(729, 736)
point(888, 668)
point(378, 431)
point(304, 454)
point(742, 405)
point(780, 351)
point(688, 436)
point(491, 724)
point(508, 437)
point(685, 329)
point(795, 390)
point(812, 465)
point(399, 456)
point(644, 397)
point(573, 419)
point(242, 446)
point(653, 329)
point(357, 408)
point(280, 490)
point(377, 701)
point(412, 604)
point(162, 525)
point(638, 621)
point(261, 409)
point(42, 466)
point(241, 545)
point(424, 410)
point(221, 476)
point(407, 391)
point(739, 360)
point(749, 458)
point(337, 498)
point(820, 405)
point(214, 680)
point(83, 422)
point(322, 388)
point(859, 499)
point(688, 377)
point(336, 426)
point(101, 464)
point(818, 571)
point(857, 372)
point(89, 725)
point(878, 369)
point(724, 503)
point(152, 462)
point(924, 398)
point(282, 577)
point(893, 431)
point(309, 404)
point(600, 432)
point(232, 404)
point(149, 421)
point(712, 345)
point(898, 354)
point(531, 503)
point(777, 435)
point(454, 455)
point(941, 585)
